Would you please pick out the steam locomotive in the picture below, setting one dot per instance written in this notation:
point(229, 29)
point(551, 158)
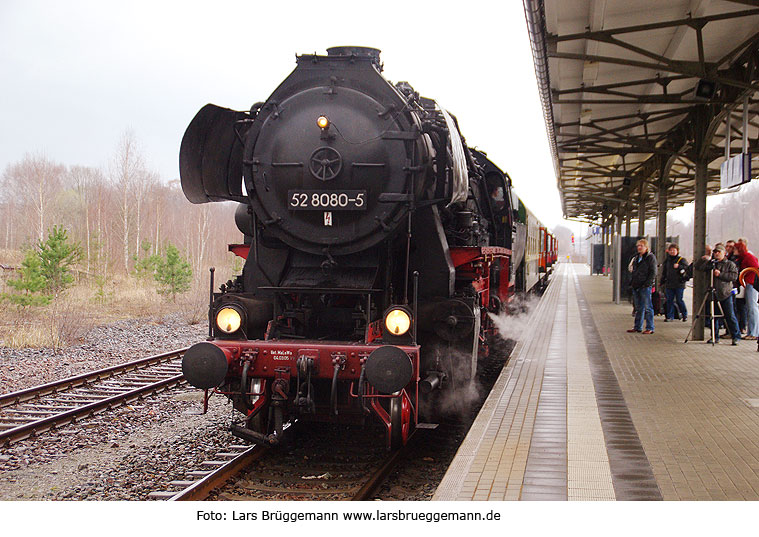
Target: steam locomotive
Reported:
point(376, 246)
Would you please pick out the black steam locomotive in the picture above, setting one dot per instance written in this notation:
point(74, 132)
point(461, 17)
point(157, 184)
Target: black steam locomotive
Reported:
point(376, 244)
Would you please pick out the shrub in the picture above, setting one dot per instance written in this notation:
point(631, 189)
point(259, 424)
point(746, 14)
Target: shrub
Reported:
point(146, 265)
point(57, 256)
point(29, 284)
point(173, 273)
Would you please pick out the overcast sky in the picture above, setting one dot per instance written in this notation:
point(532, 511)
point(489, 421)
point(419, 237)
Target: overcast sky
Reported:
point(75, 75)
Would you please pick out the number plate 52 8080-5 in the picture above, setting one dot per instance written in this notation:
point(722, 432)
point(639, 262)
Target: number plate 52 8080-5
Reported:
point(327, 200)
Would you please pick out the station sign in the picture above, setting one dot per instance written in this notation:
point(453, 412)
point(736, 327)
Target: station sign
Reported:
point(735, 171)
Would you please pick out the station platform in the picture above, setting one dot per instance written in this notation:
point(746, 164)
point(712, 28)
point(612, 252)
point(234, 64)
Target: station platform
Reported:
point(586, 411)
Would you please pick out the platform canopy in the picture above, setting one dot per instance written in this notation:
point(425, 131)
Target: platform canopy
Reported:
point(635, 92)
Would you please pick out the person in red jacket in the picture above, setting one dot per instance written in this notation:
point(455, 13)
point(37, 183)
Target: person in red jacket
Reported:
point(746, 260)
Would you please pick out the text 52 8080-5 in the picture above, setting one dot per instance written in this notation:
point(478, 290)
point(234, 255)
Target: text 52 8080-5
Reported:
point(332, 200)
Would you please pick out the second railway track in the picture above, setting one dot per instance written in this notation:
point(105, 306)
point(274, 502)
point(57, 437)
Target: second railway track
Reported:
point(34, 410)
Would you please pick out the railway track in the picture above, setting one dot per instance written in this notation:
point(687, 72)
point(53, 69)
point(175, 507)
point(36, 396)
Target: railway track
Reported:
point(29, 412)
point(355, 475)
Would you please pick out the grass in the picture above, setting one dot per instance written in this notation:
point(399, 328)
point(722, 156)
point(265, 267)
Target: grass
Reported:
point(86, 305)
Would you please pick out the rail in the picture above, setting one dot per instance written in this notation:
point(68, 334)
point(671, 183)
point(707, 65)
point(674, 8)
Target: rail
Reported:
point(35, 410)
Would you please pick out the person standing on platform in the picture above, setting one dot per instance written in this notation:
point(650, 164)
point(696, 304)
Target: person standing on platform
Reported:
point(748, 259)
point(739, 297)
point(643, 268)
point(725, 273)
point(673, 278)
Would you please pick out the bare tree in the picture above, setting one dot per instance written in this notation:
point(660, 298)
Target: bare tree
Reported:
point(143, 184)
point(126, 168)
point(108, 212)
point(36, 180)
point(85, 181)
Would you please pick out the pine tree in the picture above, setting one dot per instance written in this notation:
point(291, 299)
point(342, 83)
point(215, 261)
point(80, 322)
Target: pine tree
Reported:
point(146, 265)
point(173, 273)
point(30, 283)
point(56, 257)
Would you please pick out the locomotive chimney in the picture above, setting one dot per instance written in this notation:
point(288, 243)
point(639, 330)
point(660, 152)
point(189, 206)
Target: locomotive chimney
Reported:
point(373, 53)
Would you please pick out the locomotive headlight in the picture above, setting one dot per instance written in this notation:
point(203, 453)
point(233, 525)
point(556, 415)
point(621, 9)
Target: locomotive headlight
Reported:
point(322, 122)
point(397, 321)
point(228, 319)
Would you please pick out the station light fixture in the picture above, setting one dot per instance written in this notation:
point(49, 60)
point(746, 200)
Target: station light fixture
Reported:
point(705, 90)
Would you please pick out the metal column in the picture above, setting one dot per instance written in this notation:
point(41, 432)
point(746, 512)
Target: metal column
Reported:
point(628, 219)
point(617, 264)
point(699, 239)
point(661, 225)
point(606, 256)
point(642, 210)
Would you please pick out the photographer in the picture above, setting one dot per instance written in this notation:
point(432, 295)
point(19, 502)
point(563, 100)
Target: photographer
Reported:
point(725, 273)
point(643, 269)
point(674, 275)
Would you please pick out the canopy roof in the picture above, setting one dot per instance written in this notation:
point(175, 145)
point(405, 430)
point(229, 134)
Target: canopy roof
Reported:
point(617, 80)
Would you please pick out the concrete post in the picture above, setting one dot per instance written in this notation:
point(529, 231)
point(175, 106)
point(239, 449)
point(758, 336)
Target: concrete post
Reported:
point(642, 210)
point(699, 239)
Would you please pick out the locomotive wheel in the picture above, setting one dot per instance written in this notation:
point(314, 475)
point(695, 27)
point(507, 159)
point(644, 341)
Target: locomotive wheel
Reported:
point(396, 424)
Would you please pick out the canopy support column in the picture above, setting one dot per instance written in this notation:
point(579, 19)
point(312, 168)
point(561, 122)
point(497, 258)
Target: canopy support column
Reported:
point(617, 249)
point(661, 222)
point(700, 278)
point(642, 210)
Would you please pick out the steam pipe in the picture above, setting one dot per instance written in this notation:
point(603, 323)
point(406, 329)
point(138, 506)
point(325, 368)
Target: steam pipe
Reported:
point(416, 302)
point(244, 383)
point(408, 259)
point(432, 381)
point(361, 384)
point(210, 306)
point(333, 392)
point(253, 436)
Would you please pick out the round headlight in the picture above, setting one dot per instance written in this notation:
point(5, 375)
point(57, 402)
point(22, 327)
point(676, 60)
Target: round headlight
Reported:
point(322, 122)
point(228, 320)
point(397, 321)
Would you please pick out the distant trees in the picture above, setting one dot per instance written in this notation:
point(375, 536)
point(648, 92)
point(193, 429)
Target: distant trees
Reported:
point(36, 180)
point(110, 213)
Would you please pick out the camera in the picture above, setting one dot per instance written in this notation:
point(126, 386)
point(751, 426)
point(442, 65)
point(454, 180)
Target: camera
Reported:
point(711, 264)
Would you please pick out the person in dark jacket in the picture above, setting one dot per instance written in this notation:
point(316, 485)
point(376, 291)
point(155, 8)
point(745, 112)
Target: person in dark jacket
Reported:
point(643, 268)
point(739, 299)
point(674, 274)
point(725, 273)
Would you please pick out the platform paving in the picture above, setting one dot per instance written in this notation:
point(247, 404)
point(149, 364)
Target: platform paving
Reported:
point(690, 402)
point(586, 411)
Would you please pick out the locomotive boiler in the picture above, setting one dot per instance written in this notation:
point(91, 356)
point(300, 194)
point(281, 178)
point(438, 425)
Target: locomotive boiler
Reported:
point(376, 243)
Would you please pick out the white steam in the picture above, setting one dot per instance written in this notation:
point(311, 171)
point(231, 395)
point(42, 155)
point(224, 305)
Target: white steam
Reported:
point(512, 323)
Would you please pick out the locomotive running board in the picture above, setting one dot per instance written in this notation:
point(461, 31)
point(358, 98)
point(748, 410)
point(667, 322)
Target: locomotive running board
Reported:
point(427, 425)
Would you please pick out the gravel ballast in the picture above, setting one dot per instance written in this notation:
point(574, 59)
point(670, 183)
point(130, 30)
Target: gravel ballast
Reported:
point(118, 455)
point(103, 346)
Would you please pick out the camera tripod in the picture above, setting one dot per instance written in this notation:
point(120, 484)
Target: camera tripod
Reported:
point(711, 296)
